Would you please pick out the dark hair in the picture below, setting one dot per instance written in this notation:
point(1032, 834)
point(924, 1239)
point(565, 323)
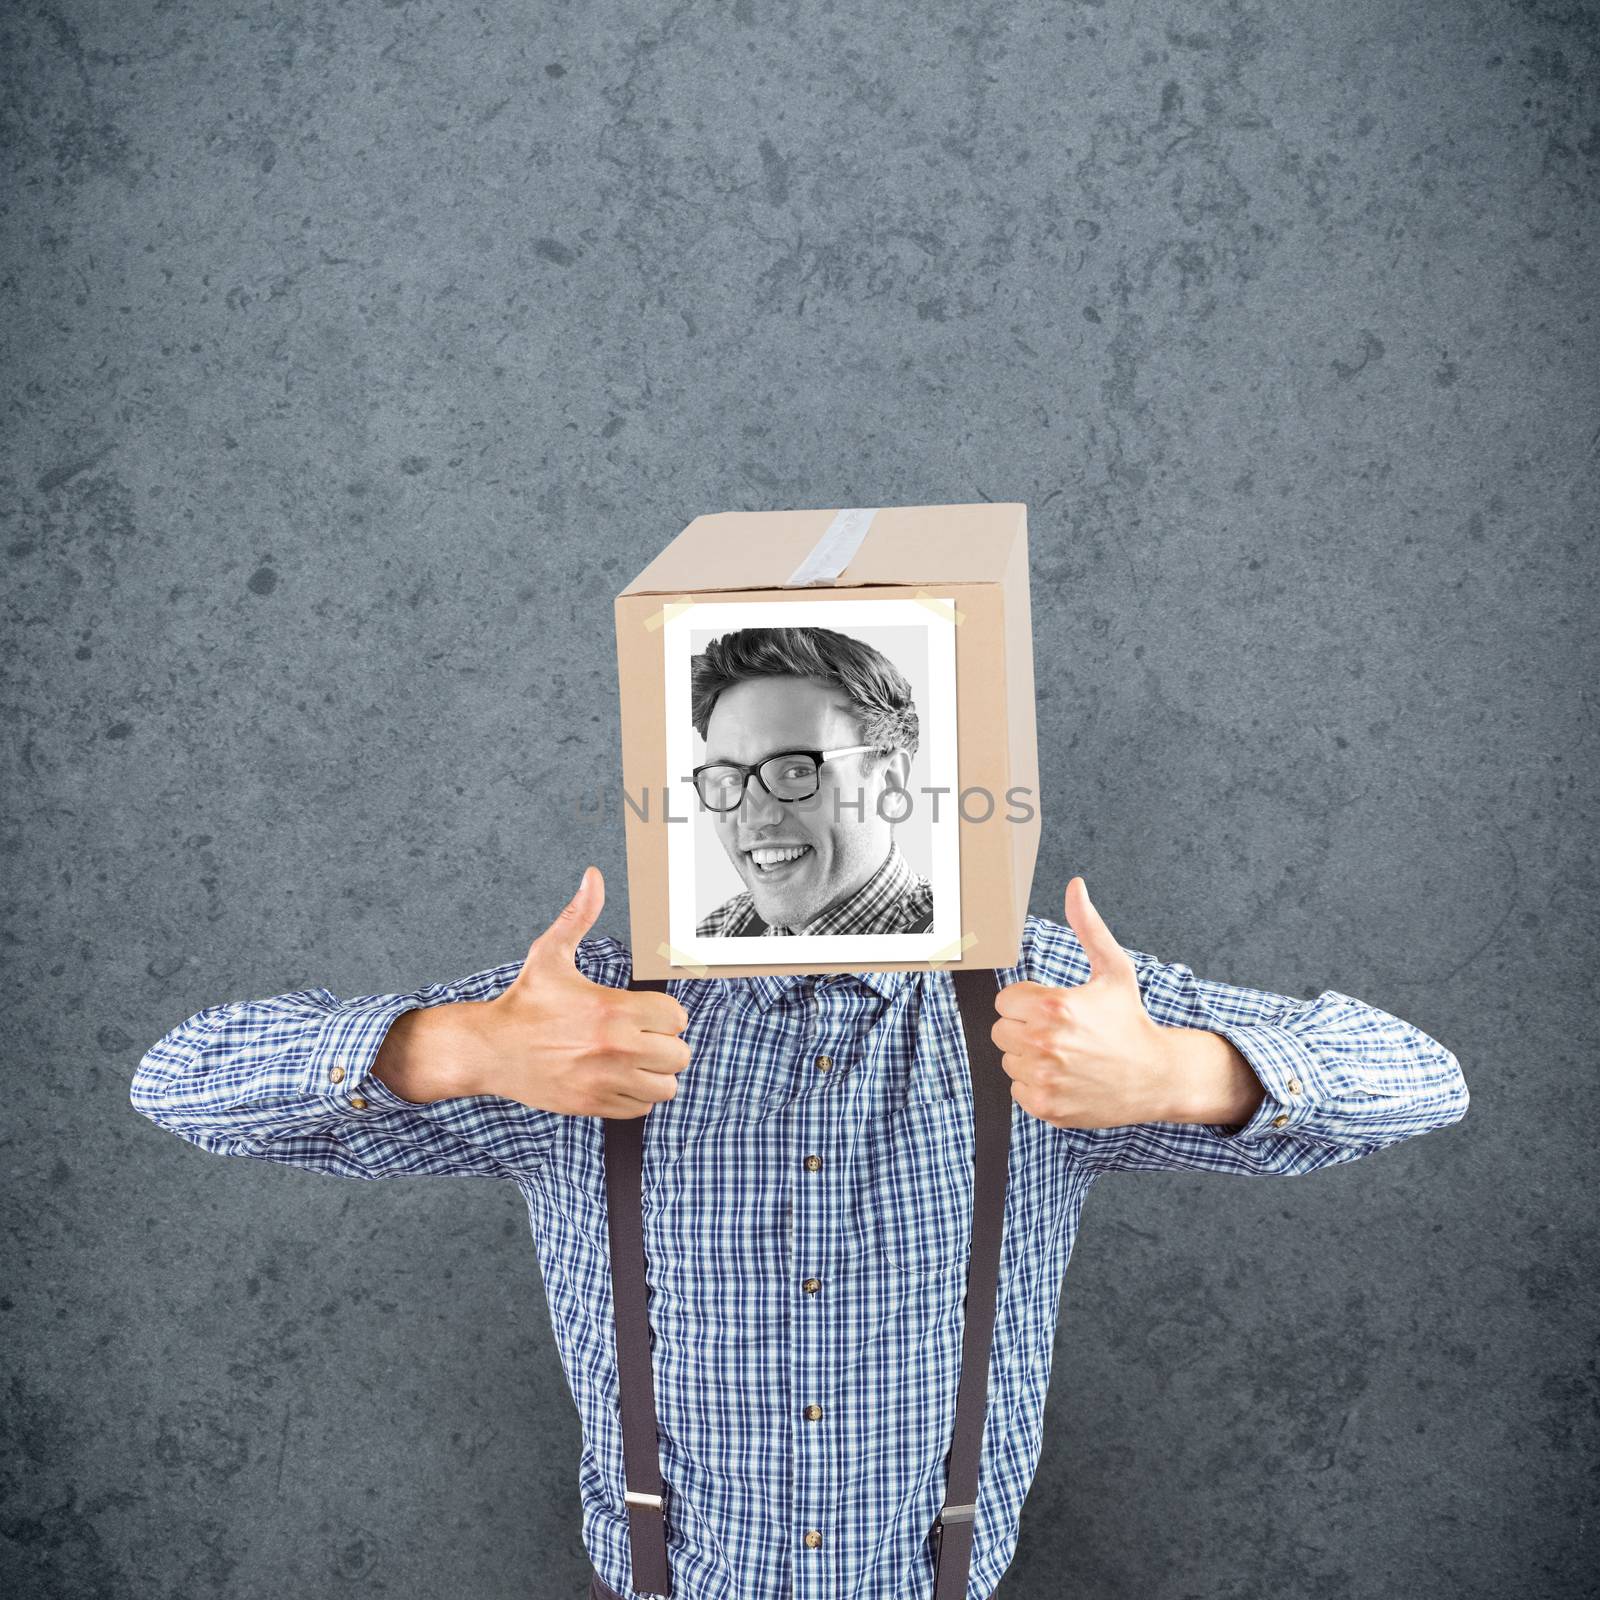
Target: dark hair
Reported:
point(877, 690)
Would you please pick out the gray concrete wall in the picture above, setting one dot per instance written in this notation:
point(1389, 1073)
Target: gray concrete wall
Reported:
point(355, 355)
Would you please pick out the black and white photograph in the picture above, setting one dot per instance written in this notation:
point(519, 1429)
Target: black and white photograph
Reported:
point(811, 748)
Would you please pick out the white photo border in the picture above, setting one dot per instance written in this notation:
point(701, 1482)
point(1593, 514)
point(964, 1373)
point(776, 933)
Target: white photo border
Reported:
point(939, 737)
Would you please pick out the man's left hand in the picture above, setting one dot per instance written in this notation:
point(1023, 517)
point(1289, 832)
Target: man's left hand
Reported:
point(1089, 1056)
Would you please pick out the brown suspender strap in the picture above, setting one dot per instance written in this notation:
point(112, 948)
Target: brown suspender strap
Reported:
point(644, 1490)
point(991, 1153)
point(641, 1452)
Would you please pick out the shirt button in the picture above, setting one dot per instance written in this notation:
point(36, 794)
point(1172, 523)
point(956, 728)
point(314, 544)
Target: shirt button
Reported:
point(813, 1413)
point(358, 1102)
point(1279, 1120)
point(336, 1074)
point(813, 1539)
point(811, 1285)
point(1294, 1086)
point(824, 1062)
point(813, 1163)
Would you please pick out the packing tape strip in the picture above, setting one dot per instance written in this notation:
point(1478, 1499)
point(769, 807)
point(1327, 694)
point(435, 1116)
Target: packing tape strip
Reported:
point(835, 550)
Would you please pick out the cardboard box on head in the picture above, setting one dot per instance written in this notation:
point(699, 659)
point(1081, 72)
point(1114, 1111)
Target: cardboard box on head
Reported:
point(830, 760)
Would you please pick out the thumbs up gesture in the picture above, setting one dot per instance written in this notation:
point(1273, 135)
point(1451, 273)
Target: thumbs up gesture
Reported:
point(1089, 1056)
point(555, 1040)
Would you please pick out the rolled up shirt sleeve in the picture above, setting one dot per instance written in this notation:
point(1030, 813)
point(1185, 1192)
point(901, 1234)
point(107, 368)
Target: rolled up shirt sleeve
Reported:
point(1340, 1078)
point(289, 1079)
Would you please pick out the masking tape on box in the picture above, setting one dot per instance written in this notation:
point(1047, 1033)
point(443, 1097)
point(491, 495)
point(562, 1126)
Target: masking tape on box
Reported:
point(940, 608)
point(675, 957)
point(955, 949)
point(668, 611)
point(835, 550)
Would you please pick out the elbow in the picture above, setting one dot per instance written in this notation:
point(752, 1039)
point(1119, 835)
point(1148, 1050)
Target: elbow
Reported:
point(168, 1064)
point(1440, 1098)
point(1457, 1098)
point(146, 1092)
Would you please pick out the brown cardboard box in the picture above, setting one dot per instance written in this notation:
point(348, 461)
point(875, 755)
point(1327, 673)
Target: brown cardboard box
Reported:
point(962, 570)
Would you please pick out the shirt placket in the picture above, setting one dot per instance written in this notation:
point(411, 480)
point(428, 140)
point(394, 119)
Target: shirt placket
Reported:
point(818, 1190)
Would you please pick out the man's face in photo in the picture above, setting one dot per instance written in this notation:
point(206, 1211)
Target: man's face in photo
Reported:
point(841, 838)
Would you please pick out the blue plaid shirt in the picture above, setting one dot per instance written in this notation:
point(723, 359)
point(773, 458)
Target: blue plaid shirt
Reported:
point(775, 1287)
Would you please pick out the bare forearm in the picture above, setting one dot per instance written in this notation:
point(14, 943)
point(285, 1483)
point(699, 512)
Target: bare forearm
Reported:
point(1213, 1083)
point(432, 1053)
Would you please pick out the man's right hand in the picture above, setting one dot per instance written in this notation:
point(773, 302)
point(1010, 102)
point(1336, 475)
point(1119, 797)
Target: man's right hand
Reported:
point(557, 1041)
point(552, 1039)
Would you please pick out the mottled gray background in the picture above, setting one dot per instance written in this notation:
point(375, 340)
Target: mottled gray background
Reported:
point(355, 356)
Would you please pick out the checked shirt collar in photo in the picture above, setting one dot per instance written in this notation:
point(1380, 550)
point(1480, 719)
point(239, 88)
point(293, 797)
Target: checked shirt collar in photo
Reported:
point(893, 900)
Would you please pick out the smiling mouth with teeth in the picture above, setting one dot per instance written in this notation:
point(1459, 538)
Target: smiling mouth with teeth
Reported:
point(765, 857)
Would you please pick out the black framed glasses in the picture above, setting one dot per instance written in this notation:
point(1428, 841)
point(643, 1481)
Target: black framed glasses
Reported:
point(789, 775)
